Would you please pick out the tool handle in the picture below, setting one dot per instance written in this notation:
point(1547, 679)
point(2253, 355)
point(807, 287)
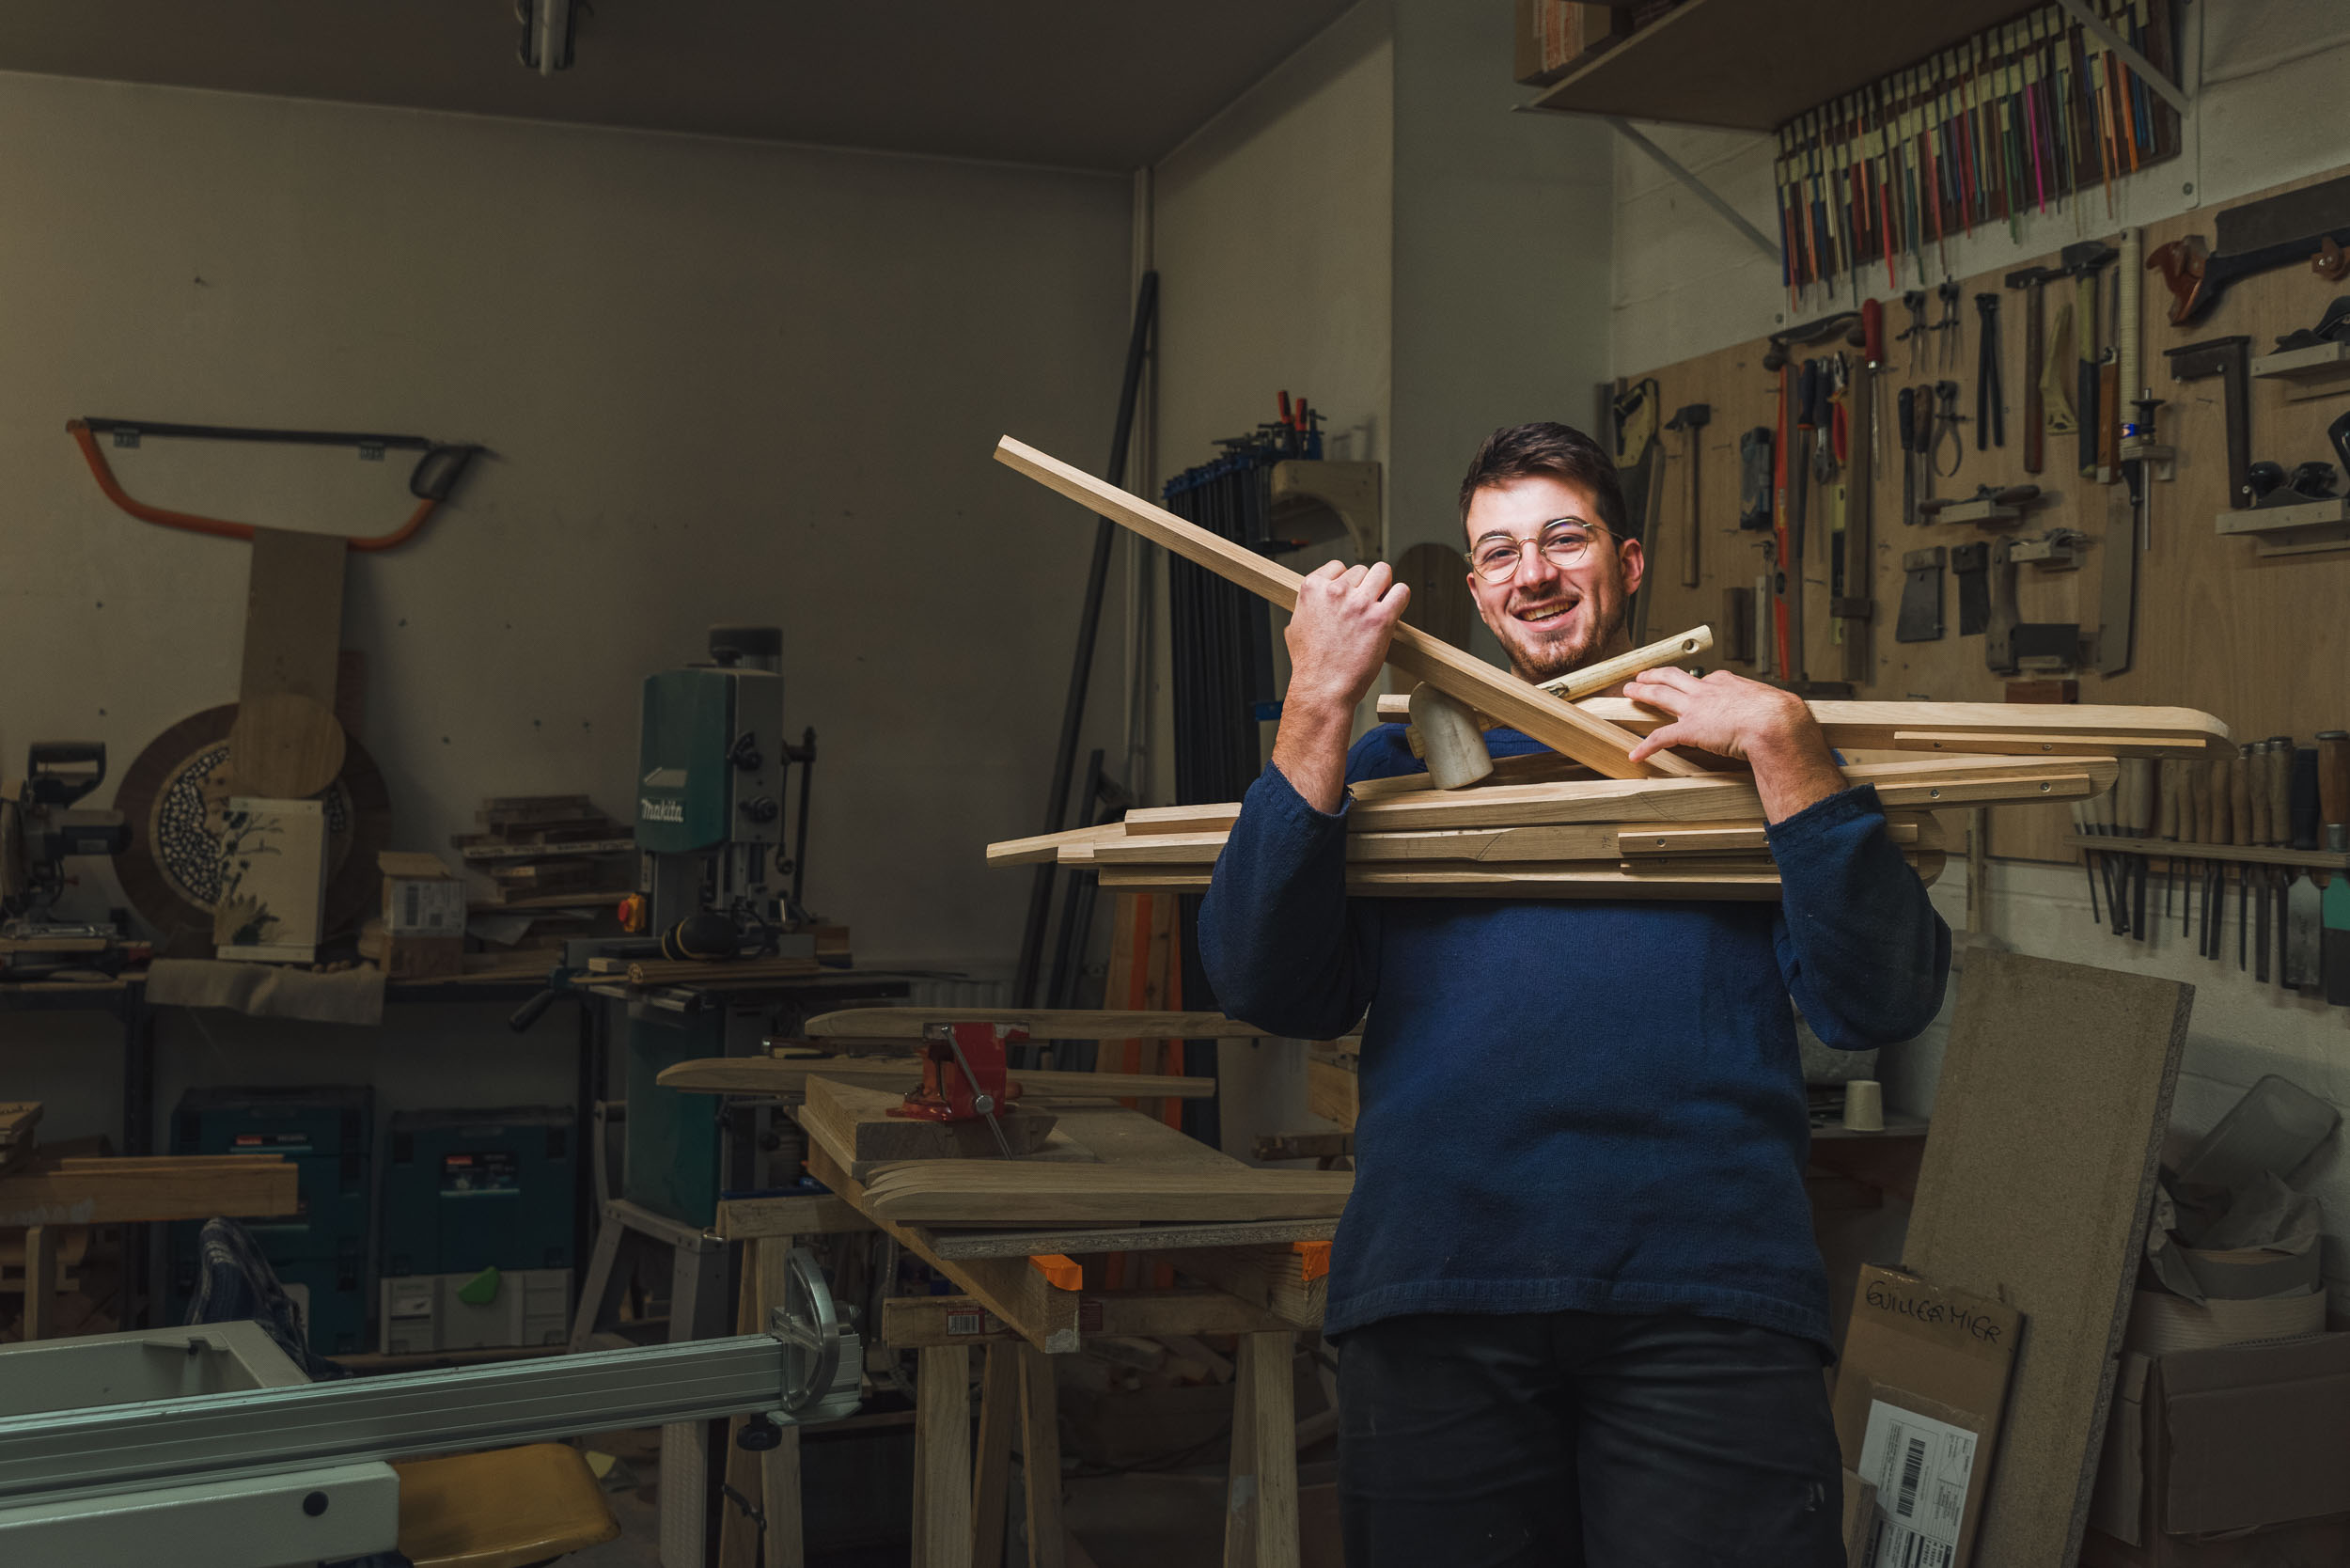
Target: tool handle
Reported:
point(2219, 825)
point(2138, 795)
point(1873, 332)
point(1906, 417)
point(2190, 802)
point(2240, 798)
point(2256, 781)
point(2166, 801)
point(2280, 749)
point(1807, 396)
point(2305, 798)
point(2333, 785)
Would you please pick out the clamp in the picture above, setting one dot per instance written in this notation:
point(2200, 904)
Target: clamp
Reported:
point(1946, 419)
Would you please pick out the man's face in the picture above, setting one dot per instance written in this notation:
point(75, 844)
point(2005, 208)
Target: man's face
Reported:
point(1550, 618)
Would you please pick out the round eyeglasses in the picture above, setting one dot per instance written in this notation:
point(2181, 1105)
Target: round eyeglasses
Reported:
point(1563, 541)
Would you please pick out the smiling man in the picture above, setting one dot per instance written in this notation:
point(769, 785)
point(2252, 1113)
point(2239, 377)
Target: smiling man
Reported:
point(1581, 1319)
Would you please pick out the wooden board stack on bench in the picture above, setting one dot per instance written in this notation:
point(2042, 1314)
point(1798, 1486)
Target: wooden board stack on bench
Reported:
point(538, 849)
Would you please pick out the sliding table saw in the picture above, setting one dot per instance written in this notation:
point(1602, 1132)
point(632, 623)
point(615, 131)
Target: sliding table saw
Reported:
point(206, 1447)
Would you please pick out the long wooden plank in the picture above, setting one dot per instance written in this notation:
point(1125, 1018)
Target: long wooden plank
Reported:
point(1556, 724)
point(1631, 880)
point(1555, 841)
point(2049, 1122)
point(2147, 731)
point(131, 1190)
point(1925, 782)
point(790, 1075)
point(1041, 1314)
point(1006, 1192)
point(1048, 846)
point(942, 1458)
point(1129, 1238)
point(818, 1214)
point(859, 1024)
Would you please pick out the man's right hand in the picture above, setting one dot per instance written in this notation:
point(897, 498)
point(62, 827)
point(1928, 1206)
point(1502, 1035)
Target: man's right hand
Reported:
point(1337, 638)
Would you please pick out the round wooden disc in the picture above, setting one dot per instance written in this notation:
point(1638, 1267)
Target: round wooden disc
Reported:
point(171, 798)
point(287, 746)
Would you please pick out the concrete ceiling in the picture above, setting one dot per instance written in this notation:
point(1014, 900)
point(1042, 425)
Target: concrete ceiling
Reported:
point(1088, 84)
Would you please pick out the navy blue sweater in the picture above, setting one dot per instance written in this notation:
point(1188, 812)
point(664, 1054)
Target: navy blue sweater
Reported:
point(1573, 1104)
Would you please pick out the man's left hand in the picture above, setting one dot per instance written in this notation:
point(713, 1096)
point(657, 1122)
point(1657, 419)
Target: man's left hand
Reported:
point(1770, 730)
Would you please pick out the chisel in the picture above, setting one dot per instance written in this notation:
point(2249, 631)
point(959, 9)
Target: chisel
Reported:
point(2190, 811)
point(2138, 821)
point(2280, 749)
point(2263, 833)
point(2240, 811)
point(2304, 907)
point(2167, 821)
point(2218, 828)
point(2333, 797)
point(1905, 416)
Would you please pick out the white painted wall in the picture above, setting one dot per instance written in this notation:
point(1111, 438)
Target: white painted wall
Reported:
point(1685, 283)
point(1273, 234)
point(722, 382)
point(1502, 252)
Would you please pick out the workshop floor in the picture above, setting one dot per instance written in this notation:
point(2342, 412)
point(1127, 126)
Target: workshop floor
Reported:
point(1132, 1521)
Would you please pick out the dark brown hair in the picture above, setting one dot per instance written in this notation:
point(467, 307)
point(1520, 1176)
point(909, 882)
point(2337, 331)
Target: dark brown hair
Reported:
point(1562, 451)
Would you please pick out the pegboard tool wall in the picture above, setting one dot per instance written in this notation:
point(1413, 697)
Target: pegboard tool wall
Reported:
point(2261, 642)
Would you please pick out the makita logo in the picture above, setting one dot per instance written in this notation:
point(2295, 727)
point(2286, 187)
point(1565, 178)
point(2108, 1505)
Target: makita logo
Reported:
point(660, 810)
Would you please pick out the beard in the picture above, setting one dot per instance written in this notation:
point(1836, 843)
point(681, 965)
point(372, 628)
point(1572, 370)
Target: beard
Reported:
point(1589, 632)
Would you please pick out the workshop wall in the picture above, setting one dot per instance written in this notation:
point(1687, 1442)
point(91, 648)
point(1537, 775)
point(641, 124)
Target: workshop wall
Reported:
point(1272, 231)
point(721, 382)
point(2253, 641)
point(1686, 283)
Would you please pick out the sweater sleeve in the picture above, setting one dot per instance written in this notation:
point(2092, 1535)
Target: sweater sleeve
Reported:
point(1863, 951)
point(1280, 947)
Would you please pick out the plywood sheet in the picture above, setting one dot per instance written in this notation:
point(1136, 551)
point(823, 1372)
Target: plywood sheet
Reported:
point(2037, 1182)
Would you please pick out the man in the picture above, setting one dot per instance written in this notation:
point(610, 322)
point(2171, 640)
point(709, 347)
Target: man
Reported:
point(1581, 1319)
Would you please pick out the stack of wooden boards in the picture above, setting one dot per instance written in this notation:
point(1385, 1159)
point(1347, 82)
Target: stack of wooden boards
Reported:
point(1663, 826)
point(1543, 828)
point(547, 851)
point(926, 1173)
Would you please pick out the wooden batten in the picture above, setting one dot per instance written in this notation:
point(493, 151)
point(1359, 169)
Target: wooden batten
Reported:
point(1455, 672)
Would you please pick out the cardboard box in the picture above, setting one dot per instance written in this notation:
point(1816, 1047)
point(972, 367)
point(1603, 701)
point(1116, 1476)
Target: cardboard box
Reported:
point(2242, 1440)
point(273, 880)
point(1918, 1402)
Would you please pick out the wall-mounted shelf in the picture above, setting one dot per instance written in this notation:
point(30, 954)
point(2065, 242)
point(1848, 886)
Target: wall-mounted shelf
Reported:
point(1754, 65)
point(1329, 499)
point(2320, 371)
point(2296, 530)
point(2171, 849)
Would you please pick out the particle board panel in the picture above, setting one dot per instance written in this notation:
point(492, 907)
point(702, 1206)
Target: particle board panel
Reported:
point(2035, 1189)
point(2255, 641)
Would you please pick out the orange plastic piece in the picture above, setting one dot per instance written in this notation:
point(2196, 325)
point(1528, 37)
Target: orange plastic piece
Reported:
point(631, 914)
point(1061, 1273)
point(1314, 1260)
point(219, 526)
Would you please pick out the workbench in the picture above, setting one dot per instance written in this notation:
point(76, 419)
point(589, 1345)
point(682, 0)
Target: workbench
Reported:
point(1016, 1300)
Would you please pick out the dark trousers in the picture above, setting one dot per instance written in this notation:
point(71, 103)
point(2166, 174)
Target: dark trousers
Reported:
point(1585, 1441)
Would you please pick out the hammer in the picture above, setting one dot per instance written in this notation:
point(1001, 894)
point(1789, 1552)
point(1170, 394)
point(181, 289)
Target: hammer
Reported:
point(2083, 260)
point(1691, 418)
point(2035, 413)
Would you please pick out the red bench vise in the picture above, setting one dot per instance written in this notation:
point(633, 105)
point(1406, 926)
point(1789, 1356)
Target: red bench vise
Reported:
point(964, 1073)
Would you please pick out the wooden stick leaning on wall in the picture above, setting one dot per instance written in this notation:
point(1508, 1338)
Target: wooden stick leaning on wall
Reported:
point(1558, 725)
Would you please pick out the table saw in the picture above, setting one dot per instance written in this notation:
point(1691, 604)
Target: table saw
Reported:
point(210, 1439)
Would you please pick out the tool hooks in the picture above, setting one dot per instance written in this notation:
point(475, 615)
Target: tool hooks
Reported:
point(435, 474)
